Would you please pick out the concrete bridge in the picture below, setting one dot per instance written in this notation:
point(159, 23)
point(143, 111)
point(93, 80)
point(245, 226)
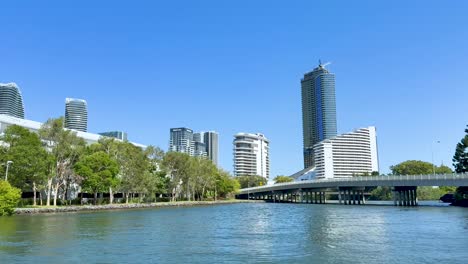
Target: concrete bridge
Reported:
point(351, 190)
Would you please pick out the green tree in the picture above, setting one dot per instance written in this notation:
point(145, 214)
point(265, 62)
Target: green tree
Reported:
point(381, 193)
point(225, 185)
point(460, 163)
point(460, 158)
point(442, 169)
point(9, 198)
point(65, 148)
point(178, 168)
point(412, 167)
point(251, 181)
point(98, 171)
point(30, 159)
point(281, 179)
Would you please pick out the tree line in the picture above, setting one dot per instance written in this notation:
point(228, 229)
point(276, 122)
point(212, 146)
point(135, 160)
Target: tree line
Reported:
point(58, 163)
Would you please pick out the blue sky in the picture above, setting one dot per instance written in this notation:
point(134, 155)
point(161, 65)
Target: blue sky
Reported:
point(235, 66)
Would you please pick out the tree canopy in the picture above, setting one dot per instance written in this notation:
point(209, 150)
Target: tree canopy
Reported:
point(417, 167)
point(460, 158)
point(281, 179)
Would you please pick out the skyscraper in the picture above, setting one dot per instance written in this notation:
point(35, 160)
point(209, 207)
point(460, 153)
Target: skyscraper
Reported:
point(76, 114)
point(210, 139)
point(181, 140)
point(251, 155)
point(11, 101)
point(318, 110)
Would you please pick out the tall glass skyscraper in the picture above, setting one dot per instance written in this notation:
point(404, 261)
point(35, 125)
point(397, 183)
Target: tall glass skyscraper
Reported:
point(318, 110)
point(210, 139)
point(76, 114)
point(11, 101)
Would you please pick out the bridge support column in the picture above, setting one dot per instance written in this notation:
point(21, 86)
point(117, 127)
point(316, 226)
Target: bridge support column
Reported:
point(350, 197)
point(324, 197)
point(405, 196)
point(354, 196)
point(339, 195)
point(301, 196)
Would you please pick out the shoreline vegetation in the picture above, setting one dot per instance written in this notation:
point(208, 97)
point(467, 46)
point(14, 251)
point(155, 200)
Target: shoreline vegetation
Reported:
point(105, 207)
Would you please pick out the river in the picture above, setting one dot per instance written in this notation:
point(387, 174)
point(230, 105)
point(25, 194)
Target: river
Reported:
point(241, 233)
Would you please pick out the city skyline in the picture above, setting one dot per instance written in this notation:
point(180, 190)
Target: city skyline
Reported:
point(385, 76)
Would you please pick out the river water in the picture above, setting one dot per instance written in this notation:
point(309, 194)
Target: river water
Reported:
point(241, 233)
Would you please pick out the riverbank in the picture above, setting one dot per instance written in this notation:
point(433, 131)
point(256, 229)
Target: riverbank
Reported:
point(85, 208)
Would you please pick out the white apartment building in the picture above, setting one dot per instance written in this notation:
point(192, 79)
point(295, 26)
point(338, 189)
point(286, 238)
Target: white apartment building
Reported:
point(347, 155)
point(89, 138)
point(251, 155)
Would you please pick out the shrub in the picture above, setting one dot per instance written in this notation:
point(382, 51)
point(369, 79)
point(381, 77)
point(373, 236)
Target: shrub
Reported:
point(9, 198)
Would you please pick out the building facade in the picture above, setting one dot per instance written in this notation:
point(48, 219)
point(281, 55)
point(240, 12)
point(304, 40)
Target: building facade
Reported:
point(11, 100)
point(115, 134)
point(347, 155)
point(76, 114)
point(210, 139)
point(318, 110)
point(33, 126)
point(181, 140)
point(251, 155)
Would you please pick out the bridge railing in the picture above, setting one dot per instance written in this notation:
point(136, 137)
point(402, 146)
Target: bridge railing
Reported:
point(431, 177)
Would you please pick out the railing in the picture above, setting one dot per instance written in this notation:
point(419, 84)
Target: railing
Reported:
point(448, 177)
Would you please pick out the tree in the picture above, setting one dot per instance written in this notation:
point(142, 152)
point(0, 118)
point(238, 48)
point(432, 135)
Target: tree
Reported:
point(281, 179)
point(178, 168)
point(225, 185)
point(30, 159)
point(251, 181)
point(442, 169)
point(412, 167)
point(98, 171)
point(460, 163)
point(9, 198)
point(65, 148)
point(460, 158)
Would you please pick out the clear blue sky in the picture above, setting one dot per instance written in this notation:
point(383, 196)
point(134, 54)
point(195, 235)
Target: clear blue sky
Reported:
point(235, 66)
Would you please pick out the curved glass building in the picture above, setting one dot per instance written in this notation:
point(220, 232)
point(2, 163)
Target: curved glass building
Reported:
point(318, 110)
point(76, 114)
point(11, 101)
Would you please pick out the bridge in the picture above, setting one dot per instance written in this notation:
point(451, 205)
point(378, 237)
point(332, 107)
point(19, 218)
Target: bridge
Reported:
point(351, 190)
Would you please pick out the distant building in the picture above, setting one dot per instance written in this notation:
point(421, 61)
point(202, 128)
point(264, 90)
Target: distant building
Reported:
point(318, 110)
point(11, 100)
point(251, 155)
point(115, 134)
point(347, 155)
point(210, 139)
point(181, 140)
point(33, 126)
point(76, 114)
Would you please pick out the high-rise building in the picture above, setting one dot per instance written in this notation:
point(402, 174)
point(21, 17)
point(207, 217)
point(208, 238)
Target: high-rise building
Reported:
point(318, 110)
point(210, 139)
point(347, 155)
point(251, 155)
point(11, 101)
point(181, 140)
point(76, 114)
point(115, 134)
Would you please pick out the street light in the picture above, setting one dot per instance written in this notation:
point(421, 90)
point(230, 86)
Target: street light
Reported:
point(432, 155)
point(7, 167)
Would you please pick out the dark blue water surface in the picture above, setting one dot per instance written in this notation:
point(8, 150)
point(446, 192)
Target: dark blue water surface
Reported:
point(241, 233)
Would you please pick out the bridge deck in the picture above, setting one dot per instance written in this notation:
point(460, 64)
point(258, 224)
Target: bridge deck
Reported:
point(371, 181)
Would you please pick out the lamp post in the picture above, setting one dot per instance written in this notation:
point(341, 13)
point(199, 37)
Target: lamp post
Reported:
point(7, 167)
point(432, 156)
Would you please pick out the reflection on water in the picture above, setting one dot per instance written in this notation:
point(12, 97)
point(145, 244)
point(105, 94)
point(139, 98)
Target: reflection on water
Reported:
point(273, 233)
